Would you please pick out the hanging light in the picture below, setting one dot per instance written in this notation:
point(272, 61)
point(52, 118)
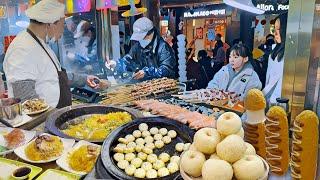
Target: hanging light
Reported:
point(245, 5)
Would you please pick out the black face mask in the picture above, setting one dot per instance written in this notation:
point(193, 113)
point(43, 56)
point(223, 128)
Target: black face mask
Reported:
point(270, 42)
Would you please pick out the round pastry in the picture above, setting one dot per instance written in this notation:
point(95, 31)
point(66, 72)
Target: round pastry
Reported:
point(145, 134)
point(165, 157)
point(163, 172)
point(179, 147)
point(173, 167)
point(152, 158)
point(143, 127)
point(163, 131)
point(136, 162)
point(140, 173)
point(154, 131)
point(140, 141)
point(186, 146)
point(147, 150)
point(148, 139)
point(139, 148)
point(123, 140)
point(118, 149)
point(158, 164)
point(130, 138)
point(172, 134)
point(146, 166)
point(175, 159)
point(159, 144)
point(151, 173)
point(123, 164)
point(130, 170)
point(142, 156)
point(128, 150)
point(166, 139)
point(150, 146)
point(129, 157)
point(137, 133)
point(118, 157)
point(158, 137)
point(255, 100)
point(131, 145)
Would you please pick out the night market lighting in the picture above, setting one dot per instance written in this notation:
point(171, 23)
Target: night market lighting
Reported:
point(245, 5)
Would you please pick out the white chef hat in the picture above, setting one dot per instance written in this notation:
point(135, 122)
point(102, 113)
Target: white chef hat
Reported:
point(46, 11)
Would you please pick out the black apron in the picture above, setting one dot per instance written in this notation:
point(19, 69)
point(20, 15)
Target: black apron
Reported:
point(65, 98)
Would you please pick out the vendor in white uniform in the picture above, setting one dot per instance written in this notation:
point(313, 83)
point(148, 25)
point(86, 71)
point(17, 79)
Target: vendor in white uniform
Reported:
point(31, 67)
point(273, 87)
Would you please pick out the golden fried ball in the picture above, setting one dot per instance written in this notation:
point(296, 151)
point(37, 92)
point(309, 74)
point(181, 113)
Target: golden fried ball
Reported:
point(158, 137)
point(129, 157)
point(137, 133)
point(166, 139)
point(123, 140)
point(172, 134)
point(165, 157)
point(179, 147)
point(130, 138)
point(158, 164)
point(254, 100)
point(118, 157)
point(175, 159)
point(123, 164)
point(152, 158)
point(163, 172)
point(146, 166)
point(148, 139)
point(154, 131)
point(140, 141)
point(136, 162)
point(130, 170)
point(145, 134)
point(139, 147)
point(143, 127)
point(143, 156)
point(150, 146)
point(131, 145)
point(159, 144)
point(147, 150)
point(173, 167)
point(163, 131)
point(151, 173)
point(140, 173)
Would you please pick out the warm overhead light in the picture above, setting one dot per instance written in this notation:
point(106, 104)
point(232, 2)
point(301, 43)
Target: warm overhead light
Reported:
point(245, 5)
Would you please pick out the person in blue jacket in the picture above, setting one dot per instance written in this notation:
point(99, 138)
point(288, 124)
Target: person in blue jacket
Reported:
point(151, 57)
point(238, 76)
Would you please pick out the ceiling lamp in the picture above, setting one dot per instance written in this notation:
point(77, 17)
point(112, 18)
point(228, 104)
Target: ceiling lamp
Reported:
point(133, 10)
point(245, 5)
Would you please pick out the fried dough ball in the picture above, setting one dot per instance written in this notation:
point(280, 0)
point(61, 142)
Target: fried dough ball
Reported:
point(118, 157)
point(165, 157)
point(142, 156)
point(152, 158)
point(130, 170)
point(172, 134)
point(140, 173)
point(137, 133)
point(179, 147)
point(151, 173)
point(123, 164)
point(166, 139)
point(158, 137)
point(143, 127)
point(163, 131)
point(159, 144)
point(254, 100)
point(154, 131)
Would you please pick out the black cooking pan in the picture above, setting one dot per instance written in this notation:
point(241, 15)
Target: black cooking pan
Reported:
point(184, 135)
point(60, 119)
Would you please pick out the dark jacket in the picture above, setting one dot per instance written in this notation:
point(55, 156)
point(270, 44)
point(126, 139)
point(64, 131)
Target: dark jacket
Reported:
point(207, 72)
point(156, 60)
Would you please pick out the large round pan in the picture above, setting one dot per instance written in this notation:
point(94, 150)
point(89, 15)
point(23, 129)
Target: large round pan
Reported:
point(184, 135)
point(57, 120)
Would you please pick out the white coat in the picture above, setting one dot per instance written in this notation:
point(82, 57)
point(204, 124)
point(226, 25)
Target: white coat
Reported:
point(26, 60)
point(242, 82)
point(273, 87)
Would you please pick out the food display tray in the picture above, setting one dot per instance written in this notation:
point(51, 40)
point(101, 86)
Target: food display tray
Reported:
point(184, 135)
point(56, 120)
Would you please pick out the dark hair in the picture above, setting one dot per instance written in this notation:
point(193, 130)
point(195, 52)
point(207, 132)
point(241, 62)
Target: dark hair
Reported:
point(270, 35)
point(279, 49)
point(236, 41)
point(241, 50)
point(202, 54)
point(121, 33)
point(219, 35)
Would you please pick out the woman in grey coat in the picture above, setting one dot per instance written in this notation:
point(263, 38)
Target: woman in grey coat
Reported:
point(238, 76)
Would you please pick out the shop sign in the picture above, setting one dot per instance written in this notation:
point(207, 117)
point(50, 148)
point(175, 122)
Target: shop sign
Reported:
point(204, 13)
point(272, 6)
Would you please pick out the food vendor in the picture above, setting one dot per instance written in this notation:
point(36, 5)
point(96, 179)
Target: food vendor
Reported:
point(151, 57)
point(238, 76)
point(31, 67)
